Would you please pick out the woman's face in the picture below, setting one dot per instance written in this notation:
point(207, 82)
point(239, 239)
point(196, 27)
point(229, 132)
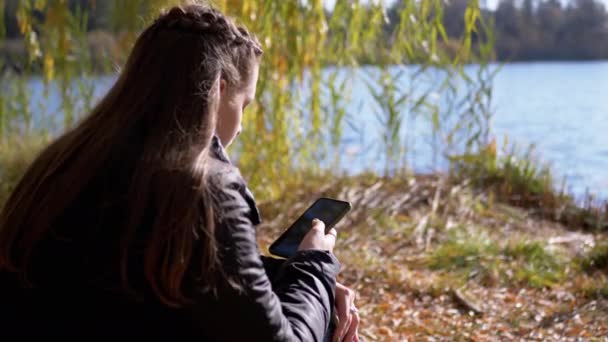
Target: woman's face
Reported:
point(232, 103)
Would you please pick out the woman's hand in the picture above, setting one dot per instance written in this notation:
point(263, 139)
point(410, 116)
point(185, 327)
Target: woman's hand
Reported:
point(317, 239)
point(348, 316)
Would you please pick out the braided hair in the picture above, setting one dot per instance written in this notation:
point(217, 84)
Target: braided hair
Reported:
point(209, 23)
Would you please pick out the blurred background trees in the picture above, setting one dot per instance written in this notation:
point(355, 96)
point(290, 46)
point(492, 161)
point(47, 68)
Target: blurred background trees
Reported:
point(539, 29)
point(524, 29)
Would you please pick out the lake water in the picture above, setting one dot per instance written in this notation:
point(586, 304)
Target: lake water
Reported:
point(561, 108)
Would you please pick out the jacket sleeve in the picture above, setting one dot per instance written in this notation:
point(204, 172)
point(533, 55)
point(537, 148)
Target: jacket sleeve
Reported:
point(298, 306)
point(272, 266)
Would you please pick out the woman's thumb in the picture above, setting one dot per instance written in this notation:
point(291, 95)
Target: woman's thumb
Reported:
point(318, 225)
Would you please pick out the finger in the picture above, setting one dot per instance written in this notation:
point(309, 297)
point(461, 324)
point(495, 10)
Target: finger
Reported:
point(339, 336)
point(351, 314)
point(333, 232)
point(353, 330)
point(318, 225)
point(349, 298)
point(342, 302)
point(332, 235)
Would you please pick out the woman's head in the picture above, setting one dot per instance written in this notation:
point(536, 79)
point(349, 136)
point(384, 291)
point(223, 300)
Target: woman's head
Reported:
point(230, 56)
point(147, 143)
point(220, 59)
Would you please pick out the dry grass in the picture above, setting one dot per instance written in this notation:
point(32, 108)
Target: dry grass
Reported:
point(434, 259)
point(519, 179)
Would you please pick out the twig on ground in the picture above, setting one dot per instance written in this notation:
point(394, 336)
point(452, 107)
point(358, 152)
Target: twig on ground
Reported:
point(465, 302)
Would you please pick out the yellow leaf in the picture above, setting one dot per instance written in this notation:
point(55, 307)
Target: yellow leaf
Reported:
point(39, 4)
point(492, 147)
point(384, 331)
point(49, 67)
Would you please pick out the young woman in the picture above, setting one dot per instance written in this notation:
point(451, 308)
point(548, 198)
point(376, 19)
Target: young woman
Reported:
point(136, 223)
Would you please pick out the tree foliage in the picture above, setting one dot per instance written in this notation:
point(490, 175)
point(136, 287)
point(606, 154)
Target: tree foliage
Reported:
point(538, 29)
point(312, 60)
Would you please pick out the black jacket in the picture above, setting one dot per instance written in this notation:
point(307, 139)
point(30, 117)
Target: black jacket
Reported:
point(277, 300)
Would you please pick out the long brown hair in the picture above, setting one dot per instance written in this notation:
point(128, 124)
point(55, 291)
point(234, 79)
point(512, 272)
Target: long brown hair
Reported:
point(152, 131)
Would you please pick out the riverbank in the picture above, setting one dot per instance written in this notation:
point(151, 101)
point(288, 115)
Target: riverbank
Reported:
point(528, 112)
point(442, 256)
point(430, 258)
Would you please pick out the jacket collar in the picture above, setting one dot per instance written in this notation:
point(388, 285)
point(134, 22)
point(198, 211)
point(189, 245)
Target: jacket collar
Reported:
point(219, 152)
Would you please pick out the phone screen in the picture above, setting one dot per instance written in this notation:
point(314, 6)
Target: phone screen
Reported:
point(328, 210)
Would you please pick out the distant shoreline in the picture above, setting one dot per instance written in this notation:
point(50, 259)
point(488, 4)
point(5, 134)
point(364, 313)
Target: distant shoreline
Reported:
point(105, 50)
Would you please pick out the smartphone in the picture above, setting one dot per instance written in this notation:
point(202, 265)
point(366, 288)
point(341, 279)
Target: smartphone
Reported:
point(328, 210)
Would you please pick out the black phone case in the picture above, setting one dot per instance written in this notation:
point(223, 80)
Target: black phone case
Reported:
point(328, 227)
